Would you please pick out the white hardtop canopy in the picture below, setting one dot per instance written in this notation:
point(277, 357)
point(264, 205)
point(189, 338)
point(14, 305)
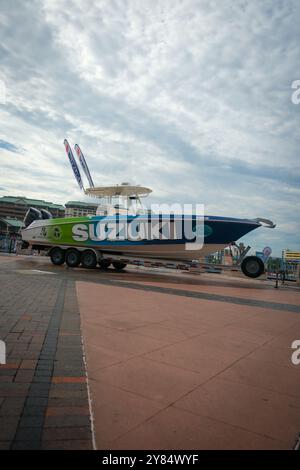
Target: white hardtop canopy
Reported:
point(125, 190)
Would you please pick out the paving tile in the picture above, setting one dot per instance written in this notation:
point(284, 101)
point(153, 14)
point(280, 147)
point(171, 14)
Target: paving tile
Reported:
point(4, 445)
point(24, 376)
point(68, 411)
point(150, 379)
point(79, 372)
point(7, 372)
point(42, 373)
point(31, 422)
point(268, 322)
point(117, 411)
point(99, 357)
point(45, 363)
point(34, 410)
point(247, 407)
point(39, 389)
point(8, 427)
point(232, 332)
point(204, 355)
point(172, 333)
point(285, 338)
point(12, 406)
point(122, 341)
point(259, 374)
point(74, 444)
point(6, 379)
point(68, 386)
point(14, 389)
point(28, 364)
point(273, 355)
point(42, 379)
point(174, 429)
point(36, 401)
point(67, 401)
point(60, 434)
point(26, 445)
point(67, 421)
point(69, 380)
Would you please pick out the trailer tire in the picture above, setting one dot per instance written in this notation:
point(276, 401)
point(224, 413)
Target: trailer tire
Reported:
point(73, 257)
point(89, 259)
point(119, 266)
point(104, 264)
point(252, 266)
point(57, 256)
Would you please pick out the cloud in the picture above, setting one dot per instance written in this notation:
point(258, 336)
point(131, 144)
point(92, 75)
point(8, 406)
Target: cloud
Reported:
point(8, 146)
point(190, 98)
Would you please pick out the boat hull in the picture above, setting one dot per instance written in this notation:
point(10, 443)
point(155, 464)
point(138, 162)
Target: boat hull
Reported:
point(83, 232)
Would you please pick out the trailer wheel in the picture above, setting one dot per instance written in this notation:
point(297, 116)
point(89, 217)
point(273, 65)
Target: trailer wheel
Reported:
point(88, 259)
point(104, 264)
point(252, 266)
point(119, 266)
point(73, 257)
point(57, 256)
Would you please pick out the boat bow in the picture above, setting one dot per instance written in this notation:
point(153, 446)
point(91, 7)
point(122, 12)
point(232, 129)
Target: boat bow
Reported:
point(265, 222)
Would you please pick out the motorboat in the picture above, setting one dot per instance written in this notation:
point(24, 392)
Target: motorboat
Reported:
point(124, 226)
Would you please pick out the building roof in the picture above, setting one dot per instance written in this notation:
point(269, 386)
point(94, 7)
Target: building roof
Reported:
point(81, 204)
point(13, 222)
point(30, 202)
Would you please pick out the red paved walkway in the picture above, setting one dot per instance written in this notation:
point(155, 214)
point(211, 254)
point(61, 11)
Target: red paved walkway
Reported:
point(173, 372)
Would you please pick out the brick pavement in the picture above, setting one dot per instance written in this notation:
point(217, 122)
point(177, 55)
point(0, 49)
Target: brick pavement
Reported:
point(43, 391)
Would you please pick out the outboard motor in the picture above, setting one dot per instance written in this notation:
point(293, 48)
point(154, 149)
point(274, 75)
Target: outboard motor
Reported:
point(46, 214)
point(31, 215)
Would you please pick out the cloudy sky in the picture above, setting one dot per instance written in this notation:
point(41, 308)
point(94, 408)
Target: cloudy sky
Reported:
point(191, 98)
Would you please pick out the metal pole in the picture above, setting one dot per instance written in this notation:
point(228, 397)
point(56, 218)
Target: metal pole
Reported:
point(276, 283)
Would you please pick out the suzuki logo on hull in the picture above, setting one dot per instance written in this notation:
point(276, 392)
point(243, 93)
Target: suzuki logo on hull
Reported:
point(187, 228)
point(133, 231)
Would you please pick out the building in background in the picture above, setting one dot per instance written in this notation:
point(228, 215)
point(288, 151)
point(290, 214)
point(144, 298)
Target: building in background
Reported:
point(291, 256)
point(291, 261)
point(10, 226)
point(79, 209)
point(9, 234)
point(16, 207)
